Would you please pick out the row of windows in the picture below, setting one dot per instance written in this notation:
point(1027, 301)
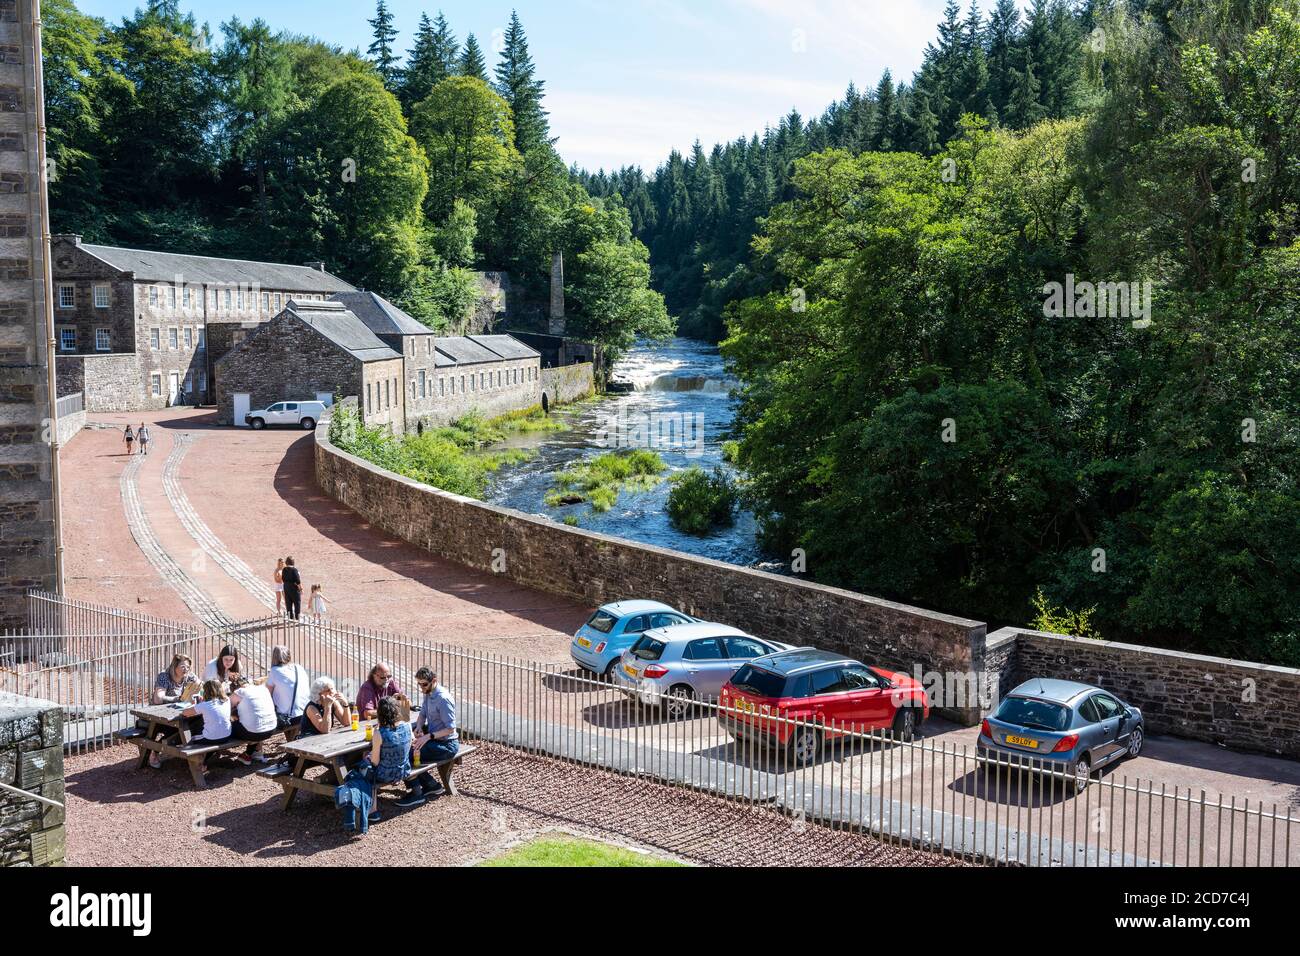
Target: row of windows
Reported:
point(381, 401)
point(422, 385)
point(192, 336)
point(226, 300)
point(186, 386)
point(68, 339)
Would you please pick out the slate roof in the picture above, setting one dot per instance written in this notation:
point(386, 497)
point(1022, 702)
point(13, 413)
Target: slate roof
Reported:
point(166, 266)
point(463, 350)
point(344, 329)
point(507, 346)
point(380, 315)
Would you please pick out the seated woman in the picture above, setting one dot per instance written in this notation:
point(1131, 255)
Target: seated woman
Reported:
point(211, 716)
point(325, 709)
point(289, 684)
point(255, 715)
point(170, 688)
point(223, 667)
point(390, 755)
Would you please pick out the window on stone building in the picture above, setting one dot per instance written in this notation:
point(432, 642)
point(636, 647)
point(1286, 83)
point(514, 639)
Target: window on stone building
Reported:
point(155, 384)
point(442, 387)
point(67, 340)
point(189, 337)
point(227, 297)
point(185, 297)
point(473, 384)
point(67, 296)
point(412, 389)
point(422, 384)
point(462, 384)
point(453, 385)
point(370, 405)
point(189, 383)
point(155, 342)
point(388, 394)
point(103, 340)
point(171, 296)
point(203, 382)
point(173, 338)
point(200, 338)
point(239, 299)
point(101, 297)
point(277, 302)
point(266, 302)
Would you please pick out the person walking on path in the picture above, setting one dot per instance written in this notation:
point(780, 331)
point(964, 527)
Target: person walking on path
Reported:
point(144, 438)
point(129, 435)
point(317, 604)
point(279, 584)
point(292, 589)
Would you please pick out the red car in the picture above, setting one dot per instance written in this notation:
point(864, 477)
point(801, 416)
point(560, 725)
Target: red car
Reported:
point(811, 687)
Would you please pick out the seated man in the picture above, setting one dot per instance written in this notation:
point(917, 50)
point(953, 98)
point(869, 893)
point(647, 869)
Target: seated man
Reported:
point(435, 730)
point(378, 685)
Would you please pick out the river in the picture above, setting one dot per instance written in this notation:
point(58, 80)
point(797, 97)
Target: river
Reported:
point(681, 407)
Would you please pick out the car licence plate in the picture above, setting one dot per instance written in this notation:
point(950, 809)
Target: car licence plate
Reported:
point(583, 642)
point(629, 670)
point(1022, 742)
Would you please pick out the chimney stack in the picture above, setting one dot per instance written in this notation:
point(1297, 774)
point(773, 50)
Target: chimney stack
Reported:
point(318, 266)
point(557, 324)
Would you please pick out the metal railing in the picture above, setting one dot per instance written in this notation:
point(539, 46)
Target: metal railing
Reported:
point(70, 404)
point(934, 795)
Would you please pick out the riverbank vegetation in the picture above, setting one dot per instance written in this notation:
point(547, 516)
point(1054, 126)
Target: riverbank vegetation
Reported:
point(918, 417)
point(451, 458)
point(599, 481)
point(403, 177)
point(702, 501)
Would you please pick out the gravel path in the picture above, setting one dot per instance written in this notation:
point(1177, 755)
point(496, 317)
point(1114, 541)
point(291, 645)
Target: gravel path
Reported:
point(120, 816)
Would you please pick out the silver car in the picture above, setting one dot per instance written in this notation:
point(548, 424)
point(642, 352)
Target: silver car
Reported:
point(671, 667)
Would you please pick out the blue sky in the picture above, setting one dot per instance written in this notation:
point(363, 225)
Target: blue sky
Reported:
point(629, 80)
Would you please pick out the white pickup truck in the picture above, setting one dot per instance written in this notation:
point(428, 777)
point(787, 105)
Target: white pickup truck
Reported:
point(303, 415)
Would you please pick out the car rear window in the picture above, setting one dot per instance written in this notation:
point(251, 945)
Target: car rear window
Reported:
point(602, 621)
point(1035, 714)
point(648, 649)
point(754, 680)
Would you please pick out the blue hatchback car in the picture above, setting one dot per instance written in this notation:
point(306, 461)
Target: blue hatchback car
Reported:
point(1062, 726)
point(614, 628)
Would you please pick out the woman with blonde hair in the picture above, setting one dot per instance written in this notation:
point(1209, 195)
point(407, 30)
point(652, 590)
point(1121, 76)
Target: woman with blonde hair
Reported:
point(279, 584)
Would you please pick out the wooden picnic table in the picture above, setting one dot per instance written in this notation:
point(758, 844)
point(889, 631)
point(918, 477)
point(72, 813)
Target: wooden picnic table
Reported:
point(178, 742)
point(337, 751)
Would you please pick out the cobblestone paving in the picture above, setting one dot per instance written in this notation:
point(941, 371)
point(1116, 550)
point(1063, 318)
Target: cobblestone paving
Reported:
point(195, 598)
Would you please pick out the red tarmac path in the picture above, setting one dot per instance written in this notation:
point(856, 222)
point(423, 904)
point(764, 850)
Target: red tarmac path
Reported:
point(256, 494)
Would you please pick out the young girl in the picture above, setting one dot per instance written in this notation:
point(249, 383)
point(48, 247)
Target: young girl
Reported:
point(317, 603)
point(213, 712)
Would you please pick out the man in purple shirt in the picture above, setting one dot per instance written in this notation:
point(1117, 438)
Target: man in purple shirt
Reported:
point(378, 685)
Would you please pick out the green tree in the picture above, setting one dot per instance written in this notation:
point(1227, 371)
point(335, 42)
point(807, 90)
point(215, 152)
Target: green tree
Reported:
point(472, 63)
point(516, 81)
point(381, 47)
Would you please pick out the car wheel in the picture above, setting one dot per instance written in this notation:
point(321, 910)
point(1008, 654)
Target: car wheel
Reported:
point(308, 424)
point(1135, 742)
point(609, 671)
point(905, 724)
point(677, 702)
point(257, 424)
point(1082, 774)
point(805, 744)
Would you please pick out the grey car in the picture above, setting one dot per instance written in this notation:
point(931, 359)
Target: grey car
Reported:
point(1062, 726)
point(670, 667)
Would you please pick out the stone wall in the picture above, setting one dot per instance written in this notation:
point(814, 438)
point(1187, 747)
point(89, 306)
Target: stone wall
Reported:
point(490, 388)
point(568, 384)
point(28, 480)
point(595, 569)
point(31, 758)
point(111, 383)
point(1227, 702)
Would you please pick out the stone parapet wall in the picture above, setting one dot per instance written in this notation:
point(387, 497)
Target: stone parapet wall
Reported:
point(595, 569)
point(1232, 703)
point(111, 383)
point(568, 384)
point(31, 758)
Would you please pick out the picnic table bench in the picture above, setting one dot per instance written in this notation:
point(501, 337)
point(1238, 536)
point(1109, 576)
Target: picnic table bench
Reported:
point(177, 742)
point(337, 751)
